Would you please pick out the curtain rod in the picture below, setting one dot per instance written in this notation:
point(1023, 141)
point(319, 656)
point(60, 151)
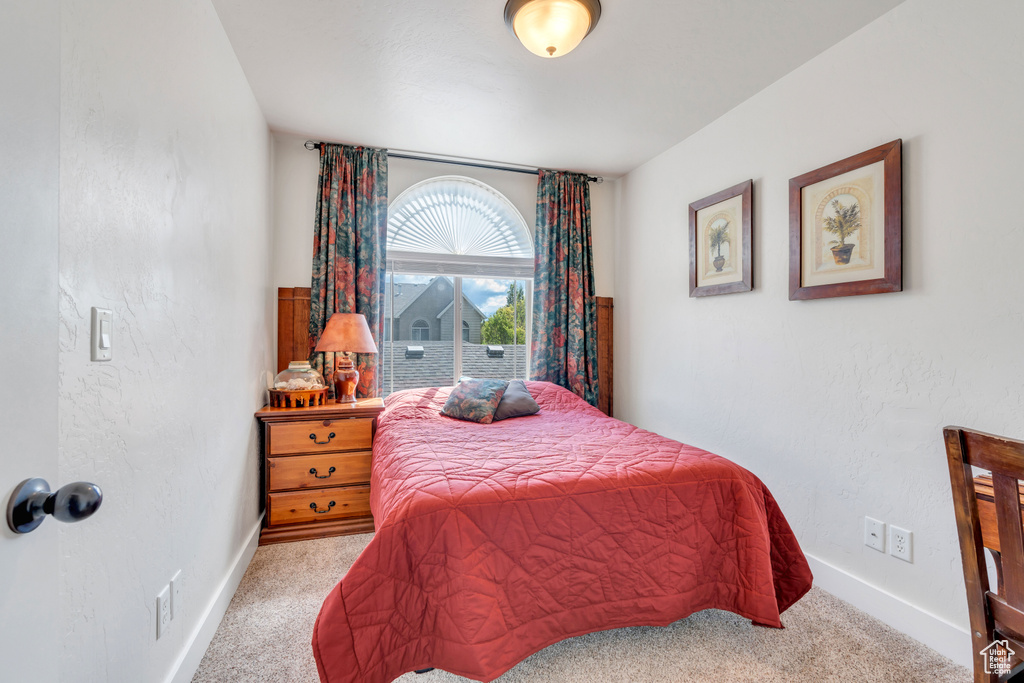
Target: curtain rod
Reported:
point(310, 145)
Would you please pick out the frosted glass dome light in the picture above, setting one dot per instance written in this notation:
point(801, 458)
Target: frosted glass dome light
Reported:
point(552, 28)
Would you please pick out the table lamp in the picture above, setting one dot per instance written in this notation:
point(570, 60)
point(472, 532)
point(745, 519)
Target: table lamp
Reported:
point(346, 333)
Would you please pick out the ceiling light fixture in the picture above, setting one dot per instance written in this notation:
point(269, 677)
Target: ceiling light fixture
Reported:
point(552, 28)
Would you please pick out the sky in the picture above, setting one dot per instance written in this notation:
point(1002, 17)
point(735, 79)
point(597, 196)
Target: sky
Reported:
point(489, 295)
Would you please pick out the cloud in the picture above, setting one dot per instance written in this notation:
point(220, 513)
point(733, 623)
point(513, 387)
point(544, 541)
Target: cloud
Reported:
point(489, 285)
point(493, 303)
point(488, 294)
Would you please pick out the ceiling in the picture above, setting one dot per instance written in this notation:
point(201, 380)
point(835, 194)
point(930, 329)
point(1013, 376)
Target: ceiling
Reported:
point(447, 77)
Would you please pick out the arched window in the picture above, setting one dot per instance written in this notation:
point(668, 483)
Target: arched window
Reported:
point(457, 216)
point(458, 251)
point(420, 331)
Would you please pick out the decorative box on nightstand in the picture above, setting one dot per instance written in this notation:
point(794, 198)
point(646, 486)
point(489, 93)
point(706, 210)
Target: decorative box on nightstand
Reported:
point(316, 469)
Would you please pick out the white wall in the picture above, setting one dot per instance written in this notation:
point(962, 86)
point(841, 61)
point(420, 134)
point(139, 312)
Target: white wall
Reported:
point(164, 218)
point(295, 179)
point(838, 404)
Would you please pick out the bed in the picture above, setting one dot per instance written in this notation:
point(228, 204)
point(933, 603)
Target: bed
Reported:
point(495, 541)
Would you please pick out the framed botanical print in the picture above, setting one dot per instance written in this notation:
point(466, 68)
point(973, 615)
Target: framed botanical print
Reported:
point(846, 226)
point(720, 242)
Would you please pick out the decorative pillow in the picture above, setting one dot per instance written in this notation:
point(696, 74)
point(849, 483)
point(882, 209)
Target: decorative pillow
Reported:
point(475, 400)
point(516, 401)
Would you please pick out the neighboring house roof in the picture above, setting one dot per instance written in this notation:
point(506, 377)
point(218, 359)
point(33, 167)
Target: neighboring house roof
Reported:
point(444, 310)
point(434, 365)
point(406, 294)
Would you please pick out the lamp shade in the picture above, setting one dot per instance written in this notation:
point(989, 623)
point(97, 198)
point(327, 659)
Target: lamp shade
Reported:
point(347, 332)
point(551, 28)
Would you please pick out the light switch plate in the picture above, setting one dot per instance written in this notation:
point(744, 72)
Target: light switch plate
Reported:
point(102, 334)
point(874, 534)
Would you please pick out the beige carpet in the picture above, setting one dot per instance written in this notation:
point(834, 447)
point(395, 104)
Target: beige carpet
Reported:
point(266, 634)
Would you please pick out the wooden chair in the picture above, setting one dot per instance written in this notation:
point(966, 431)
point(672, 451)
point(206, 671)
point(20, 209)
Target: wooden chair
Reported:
point(994, 615)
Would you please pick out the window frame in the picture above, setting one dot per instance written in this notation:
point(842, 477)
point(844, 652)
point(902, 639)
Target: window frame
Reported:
point(519, 269)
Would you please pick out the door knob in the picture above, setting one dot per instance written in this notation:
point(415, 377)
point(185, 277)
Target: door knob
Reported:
point(32, 501)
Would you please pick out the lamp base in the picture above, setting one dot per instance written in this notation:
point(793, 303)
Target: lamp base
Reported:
point(345, 381)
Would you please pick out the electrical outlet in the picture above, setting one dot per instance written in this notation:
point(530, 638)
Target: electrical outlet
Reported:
point(874, 534)
point(163, 611)
point(901, 543)
point(176, 594)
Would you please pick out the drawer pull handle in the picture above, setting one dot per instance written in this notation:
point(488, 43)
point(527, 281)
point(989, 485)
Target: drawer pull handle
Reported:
point(312, 506)
point(321, 443)
point(312, 470)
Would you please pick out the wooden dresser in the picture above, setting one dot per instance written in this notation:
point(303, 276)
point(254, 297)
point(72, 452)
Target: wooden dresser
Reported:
point(316, 469)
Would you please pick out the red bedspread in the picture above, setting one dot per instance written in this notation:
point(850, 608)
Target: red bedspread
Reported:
point(494, 541)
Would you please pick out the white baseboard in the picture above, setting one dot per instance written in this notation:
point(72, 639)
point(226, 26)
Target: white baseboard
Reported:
point(937, 633)
point(195, 647)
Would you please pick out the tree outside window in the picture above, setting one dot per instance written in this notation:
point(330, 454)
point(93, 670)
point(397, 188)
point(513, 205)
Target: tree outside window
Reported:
point(497, 329)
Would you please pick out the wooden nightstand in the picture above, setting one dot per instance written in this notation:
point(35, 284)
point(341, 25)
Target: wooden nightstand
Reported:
point(316, 469)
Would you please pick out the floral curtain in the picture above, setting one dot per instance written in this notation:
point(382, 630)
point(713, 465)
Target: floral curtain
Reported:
point(564, 349)
point(349, 251)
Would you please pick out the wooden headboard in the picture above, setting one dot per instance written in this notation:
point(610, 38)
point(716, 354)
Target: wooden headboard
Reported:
point(604, 354)
point(292, 325)
point(293, 337)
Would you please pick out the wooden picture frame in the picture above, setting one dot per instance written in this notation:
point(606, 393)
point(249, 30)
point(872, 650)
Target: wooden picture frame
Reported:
point(846, 226)
point(723, 219)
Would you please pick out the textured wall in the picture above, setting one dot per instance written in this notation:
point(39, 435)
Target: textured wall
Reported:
point(838, 404)
point(295, 178)
point(164, 218)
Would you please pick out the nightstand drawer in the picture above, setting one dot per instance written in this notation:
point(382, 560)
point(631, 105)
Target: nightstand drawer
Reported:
point(317, 505)
point(321, 436)
point(322, 469)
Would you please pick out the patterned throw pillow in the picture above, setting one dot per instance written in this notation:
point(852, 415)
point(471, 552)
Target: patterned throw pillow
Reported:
point(516, 401)
point(475, 400)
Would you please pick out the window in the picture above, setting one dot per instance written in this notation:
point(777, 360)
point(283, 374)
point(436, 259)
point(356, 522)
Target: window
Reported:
point(420, 331)
point(460, 253)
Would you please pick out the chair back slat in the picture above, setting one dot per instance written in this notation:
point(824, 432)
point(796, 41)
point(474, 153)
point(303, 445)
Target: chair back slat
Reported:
point(987, 510)
point(1008, 617)
point(994, 453)
point(1011, 536)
